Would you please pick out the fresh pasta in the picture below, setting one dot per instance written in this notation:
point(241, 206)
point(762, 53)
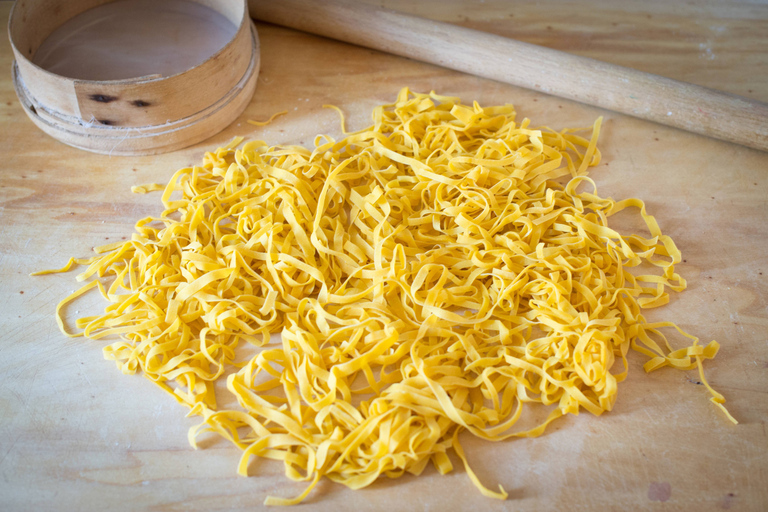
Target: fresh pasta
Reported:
point(437, 272)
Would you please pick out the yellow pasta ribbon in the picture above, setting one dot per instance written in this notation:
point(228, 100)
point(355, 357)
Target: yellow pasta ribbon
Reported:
point(268, 121)
point(146, 189)
point(435, 273)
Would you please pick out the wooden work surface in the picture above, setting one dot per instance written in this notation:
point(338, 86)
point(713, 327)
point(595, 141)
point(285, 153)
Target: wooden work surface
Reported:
point(77, 435)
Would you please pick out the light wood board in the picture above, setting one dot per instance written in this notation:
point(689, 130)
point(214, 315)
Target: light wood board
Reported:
point(75, 434)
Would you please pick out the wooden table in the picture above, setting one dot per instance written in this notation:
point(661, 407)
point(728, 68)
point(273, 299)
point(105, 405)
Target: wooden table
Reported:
point(77, 435)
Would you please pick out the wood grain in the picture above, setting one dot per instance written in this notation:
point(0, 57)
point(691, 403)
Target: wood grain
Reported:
point(646, 96)
point(77, 435)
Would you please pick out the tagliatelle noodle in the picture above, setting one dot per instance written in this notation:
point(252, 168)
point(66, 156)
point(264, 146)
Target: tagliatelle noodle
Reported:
point(265, 123)
point(146, 189)
point(429, 275)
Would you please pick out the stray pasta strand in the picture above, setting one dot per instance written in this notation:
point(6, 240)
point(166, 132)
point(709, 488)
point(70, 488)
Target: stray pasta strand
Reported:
point(434, 273)
point(268, 121)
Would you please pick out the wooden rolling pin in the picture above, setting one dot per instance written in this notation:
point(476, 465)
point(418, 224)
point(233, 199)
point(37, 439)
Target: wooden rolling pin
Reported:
point(690, 107)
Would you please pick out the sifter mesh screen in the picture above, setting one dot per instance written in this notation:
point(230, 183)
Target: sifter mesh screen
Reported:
point(135, 38)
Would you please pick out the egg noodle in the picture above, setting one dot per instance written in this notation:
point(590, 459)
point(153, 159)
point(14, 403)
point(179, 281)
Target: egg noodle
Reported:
point(429, 275)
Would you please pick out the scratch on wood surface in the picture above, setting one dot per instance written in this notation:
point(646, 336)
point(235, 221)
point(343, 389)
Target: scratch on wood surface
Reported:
point(757, 320)
point(732, 388)
point(10, 449)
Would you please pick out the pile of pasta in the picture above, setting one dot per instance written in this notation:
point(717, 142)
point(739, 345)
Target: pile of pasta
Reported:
point(434, 273)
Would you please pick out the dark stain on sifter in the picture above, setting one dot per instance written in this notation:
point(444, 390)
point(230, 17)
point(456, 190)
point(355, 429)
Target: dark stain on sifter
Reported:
point(103, 98)
point(728, 501)
point(659, 491)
